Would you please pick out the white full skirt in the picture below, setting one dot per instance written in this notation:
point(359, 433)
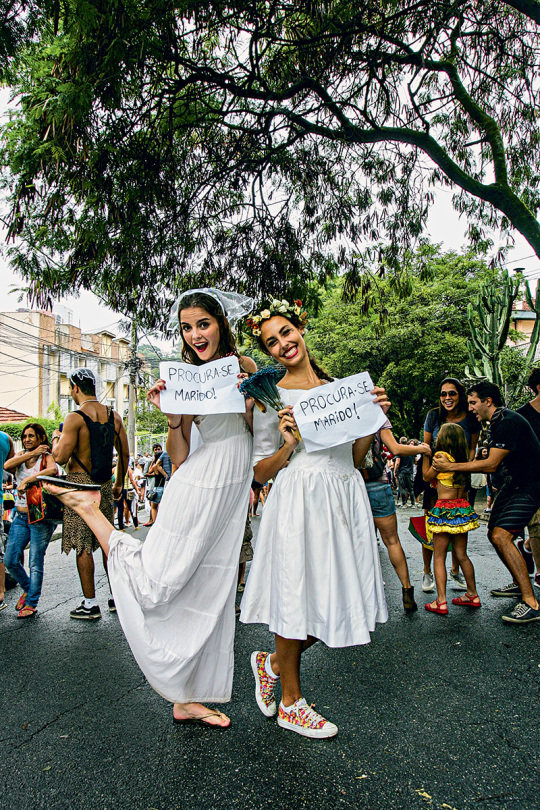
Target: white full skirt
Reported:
point(175, 591)
point(316, 569)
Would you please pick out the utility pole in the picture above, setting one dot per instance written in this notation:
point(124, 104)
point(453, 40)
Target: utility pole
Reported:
point(132, 400)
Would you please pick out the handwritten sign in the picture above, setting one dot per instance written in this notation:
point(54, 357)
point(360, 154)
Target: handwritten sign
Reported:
point(210, 388)
point(337, 413)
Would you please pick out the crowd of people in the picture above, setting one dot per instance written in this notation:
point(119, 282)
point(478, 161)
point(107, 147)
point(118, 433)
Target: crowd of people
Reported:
point(316, 574)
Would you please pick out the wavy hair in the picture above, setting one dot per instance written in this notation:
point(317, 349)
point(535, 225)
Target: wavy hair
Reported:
point(227, 342)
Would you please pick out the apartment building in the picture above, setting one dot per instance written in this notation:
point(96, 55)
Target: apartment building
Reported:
point(39, 349)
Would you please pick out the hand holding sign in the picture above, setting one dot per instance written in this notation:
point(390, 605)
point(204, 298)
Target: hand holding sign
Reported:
point(339, 412)
point(209, 388)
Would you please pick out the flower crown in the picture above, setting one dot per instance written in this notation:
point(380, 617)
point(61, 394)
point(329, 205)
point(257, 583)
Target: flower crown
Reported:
point(276, 307)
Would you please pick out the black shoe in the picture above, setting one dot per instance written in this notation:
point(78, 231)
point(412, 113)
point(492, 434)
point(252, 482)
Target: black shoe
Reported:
point(112, 606)
point(522, 614)
point(512, 590)
point(82, 612)
point(409, 605)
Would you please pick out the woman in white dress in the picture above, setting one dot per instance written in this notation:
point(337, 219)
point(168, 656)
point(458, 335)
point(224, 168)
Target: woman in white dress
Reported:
point(316, 573)
point(175, 592)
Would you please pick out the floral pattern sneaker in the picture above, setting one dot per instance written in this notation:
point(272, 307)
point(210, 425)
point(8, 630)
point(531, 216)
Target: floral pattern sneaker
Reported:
point(264, 684)
point(305, 720)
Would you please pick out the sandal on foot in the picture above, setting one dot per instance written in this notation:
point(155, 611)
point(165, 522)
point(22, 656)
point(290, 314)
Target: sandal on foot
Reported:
point(20, 602)
point(27, 612)
point(467, 601)
point(437, 607)
point(63, 483)
point(202, 721)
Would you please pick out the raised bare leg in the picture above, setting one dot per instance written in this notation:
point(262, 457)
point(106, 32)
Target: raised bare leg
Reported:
point(86, 504)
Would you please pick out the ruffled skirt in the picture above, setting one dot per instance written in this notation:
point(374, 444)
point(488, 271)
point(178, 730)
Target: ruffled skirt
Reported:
point(452, 517)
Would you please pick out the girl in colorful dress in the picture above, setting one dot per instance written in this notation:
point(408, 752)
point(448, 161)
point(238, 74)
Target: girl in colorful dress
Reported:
point(175, 592)
point(315, 574)
point(451, 518)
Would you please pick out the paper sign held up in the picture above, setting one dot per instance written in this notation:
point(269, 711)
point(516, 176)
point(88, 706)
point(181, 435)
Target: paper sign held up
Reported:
point(200, 390)
point(338, 412)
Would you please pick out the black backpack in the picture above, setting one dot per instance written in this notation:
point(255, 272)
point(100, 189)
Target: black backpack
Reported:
point(101, 447)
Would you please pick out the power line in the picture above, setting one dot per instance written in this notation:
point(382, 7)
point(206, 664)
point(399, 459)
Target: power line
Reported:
point(46, 331)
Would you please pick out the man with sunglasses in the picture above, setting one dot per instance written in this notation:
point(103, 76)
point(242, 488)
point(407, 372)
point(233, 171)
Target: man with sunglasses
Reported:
point(514, 451)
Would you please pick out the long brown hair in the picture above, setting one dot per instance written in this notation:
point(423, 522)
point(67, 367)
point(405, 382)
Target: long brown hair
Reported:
point(452, 440)
point(295, 320)
point(227, 343)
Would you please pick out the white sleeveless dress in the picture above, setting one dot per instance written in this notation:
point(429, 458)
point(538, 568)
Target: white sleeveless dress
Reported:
point(316, 569)
point(175, 591)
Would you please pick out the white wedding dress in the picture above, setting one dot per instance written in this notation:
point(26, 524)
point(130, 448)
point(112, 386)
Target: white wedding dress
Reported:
point(316, 569)
point(175, 591)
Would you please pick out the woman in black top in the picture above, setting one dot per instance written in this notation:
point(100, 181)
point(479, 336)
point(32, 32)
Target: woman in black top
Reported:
point(453, 407)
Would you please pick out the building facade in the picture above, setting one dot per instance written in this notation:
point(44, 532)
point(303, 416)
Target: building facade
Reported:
point(39, 349)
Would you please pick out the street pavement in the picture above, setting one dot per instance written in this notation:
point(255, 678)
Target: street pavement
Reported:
point(437, 712)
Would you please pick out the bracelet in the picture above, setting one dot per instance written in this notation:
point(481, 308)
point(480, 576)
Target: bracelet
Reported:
point(176, 426)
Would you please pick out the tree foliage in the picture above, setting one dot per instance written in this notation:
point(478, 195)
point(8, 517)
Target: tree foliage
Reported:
point(260, 145)
point(422, 340)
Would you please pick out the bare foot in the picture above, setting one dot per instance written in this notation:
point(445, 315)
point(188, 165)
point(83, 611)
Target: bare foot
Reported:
point(78, 500)
point(196, 711)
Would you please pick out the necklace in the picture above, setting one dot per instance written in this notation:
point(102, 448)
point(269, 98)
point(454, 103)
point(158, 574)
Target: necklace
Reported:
point(94, 399)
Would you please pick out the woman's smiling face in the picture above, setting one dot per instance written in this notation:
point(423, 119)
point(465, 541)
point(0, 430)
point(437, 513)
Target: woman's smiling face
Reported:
point(200, 330)
point(449, 396)
point(283, 340)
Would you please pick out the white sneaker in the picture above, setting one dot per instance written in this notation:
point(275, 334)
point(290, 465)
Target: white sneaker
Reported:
point(458, 581)
point(428, 583)
point(306, 721)
point(264, 683)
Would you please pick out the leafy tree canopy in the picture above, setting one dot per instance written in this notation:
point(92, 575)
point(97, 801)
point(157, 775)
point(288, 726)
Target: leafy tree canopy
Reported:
point(163, 143)
point(422, 340)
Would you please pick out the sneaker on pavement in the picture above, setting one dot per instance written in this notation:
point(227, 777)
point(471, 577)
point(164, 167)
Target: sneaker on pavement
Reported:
point(82, 612)
point(537, 579)
point(264, 684)
point(306, 721)
point(458, 580)
point(522, 614)
point(507, 590)
point(3, 604)
point(527, 556)
point(428, 583)
point(112, 606)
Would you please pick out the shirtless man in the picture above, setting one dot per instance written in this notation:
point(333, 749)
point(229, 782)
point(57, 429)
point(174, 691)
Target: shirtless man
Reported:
point(71, 447)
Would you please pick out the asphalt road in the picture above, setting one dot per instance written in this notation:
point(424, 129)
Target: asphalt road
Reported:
point(437, 712)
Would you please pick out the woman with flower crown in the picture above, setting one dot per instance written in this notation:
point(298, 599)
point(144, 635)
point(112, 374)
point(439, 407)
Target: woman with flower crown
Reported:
point(316, 573)
point(175, 592)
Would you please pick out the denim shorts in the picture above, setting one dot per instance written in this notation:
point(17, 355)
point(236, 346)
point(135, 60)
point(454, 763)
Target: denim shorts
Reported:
point(156, 495)
point(381, 499)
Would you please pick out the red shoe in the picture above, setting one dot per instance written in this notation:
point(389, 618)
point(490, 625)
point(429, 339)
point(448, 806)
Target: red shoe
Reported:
point(150, 523)
point(437, 607)
point(467, 601)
